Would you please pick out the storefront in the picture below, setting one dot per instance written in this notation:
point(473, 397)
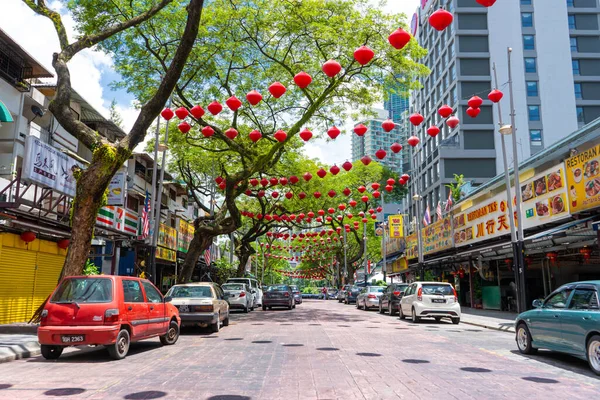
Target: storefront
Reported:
point(166, 257)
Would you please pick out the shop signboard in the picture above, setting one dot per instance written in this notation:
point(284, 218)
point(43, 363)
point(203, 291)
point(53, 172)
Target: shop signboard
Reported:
point(379, 228)
point(545, 197)
point(437, 236)
point(399, 265)
point(412, 246)
point(116, 190)
point(394, 245)
point(166, 254)
point(485, 220)
point(396, 226)
point(184, 235)
point(583, 180)
point(118, 218)
point(167, 243)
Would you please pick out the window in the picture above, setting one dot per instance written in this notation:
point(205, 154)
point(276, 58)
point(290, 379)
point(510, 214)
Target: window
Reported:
point(84, 290)
point(132, 291)
point(572, 22)
point(584, 299)
point(133, 203)
point(151, 293)
point(527, 20)
point(528, 42)
point(558, 300)
point(530, 65)
point(570, 3)
point(453, 72)
point(454, 95)
point(575, 64)
point(525, 2)
point(574, 44)
point(532, 89)
point(578, 94)
point(535, 136)
point(534, 113)
point(579, 112)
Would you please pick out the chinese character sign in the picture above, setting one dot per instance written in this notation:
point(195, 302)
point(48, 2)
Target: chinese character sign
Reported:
point(396, 226)
point(485, 220)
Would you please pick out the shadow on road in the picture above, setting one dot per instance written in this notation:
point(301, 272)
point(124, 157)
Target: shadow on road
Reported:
point(560, 360)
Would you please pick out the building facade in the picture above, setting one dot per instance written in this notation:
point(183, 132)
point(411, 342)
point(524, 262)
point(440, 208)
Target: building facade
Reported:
point(555, 68)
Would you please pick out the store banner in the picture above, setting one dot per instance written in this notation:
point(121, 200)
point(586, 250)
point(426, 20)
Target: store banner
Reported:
point(394, 245)
point(166, 254)
point(583, 180)
point(48, 166)
point(118, 218)
point(116, 190)
point(412, 246)
point(184, 235)
point(396, 226)
point(545, 197)
point(485, 220)
point(167, 243)
point(437, 236)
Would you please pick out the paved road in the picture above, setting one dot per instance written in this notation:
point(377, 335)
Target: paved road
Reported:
point(322, 350)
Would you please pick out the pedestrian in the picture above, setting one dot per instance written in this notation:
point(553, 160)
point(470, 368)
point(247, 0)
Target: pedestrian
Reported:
point(324, 290)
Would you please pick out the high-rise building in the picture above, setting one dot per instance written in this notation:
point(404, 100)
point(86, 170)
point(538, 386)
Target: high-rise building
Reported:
point(396, 105)
point(555, 61)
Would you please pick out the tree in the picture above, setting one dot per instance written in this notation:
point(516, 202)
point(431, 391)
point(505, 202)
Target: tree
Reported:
point(99, 22)
point(247, 45)
point(456, 187)
point(114, 115)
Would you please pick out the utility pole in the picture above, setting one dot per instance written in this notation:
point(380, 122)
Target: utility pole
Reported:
point(384, 251)
point(152, 254)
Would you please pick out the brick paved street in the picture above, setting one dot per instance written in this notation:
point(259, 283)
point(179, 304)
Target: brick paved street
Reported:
point(322, 350)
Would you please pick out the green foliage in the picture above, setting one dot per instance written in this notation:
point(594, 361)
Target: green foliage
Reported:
point(224, 269)
point(380, 283)
point(90, 268)
point(429, 276)
point(114, 115)
point(455, 188)
point(311, 290)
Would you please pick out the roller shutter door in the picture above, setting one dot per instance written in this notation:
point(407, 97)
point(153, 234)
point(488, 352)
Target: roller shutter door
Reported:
point(17, 282)
point(46, 276)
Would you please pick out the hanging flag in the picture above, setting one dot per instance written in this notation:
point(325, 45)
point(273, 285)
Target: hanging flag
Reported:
point(449, 202)
point(427, 217)
point(207, 257)
point(145, 223)
point(439, 211)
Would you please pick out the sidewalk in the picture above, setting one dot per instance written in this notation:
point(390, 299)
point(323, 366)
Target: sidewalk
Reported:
point(16, 346)
point(491, 319)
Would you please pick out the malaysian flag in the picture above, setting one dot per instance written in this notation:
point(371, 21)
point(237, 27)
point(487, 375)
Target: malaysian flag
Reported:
point(145, 219)
point(449, 202)
point(439, 210)
point(427, 217)
point(207, 256)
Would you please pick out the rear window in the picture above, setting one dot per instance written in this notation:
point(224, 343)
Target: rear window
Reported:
point(190, 291)
point(443, 290)
point(84, 290)
point(278, 288)
point(233, 286)
point(376, 289)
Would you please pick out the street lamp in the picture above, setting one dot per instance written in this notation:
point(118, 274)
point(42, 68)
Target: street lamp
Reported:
point(417, 199)
point(506, 130)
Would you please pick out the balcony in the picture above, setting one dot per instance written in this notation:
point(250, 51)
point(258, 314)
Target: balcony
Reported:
point(13, 68)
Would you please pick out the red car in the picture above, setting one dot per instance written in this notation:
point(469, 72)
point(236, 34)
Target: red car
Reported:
point(111, 311)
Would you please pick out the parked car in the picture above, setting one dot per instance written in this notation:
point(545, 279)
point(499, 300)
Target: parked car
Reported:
point(390, 299)
point(238, 295)
point(310, 296)
point(201, 304)
point(332, 294)
point(111, 311)
point(369, 297)
point(430, 299)
point(254, 285)
point(351, 294)
point(297, 294)
point(341, 296)
point(568, 321)
point(278, 296)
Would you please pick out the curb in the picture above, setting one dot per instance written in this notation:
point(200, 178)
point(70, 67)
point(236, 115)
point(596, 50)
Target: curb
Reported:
point(19, 329)
point(507, 329)
point(10, 352)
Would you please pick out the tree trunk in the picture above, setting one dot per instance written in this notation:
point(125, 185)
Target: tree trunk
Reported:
point(200, 242)
point(244, 253)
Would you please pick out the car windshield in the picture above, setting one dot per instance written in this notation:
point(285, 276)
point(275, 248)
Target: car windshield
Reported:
point(376, 289)
point(277, 288)
point(233, 286)
point(443, 290)
point(294, 288)
point(190, 291)
point(241, 280)
point(84, 290)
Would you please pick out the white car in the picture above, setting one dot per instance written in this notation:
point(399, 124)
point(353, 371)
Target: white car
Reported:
point(238, 295)
point(254, 286)
point(430, 300)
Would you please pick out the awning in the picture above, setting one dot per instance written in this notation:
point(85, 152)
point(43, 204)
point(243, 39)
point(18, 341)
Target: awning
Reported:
point(556, 232)
point(392, 258)
point(5, 115)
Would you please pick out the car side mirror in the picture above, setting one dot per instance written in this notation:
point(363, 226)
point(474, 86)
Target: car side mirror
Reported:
point(401, 294)
point(168, 299)
point(253, 291)
point(538, 303)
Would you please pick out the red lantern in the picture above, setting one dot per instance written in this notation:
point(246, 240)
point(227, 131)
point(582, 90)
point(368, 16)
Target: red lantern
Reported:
point(416, 119)
point(349, 215)
point(445, 111)
point(254, 182)
point(63, 243)
point(413, 141)
point(333, 132)
point(342, 207)
point(307, 176)
point(255, 135)
point(184, 127)
point(277, 90)
point(389, 188)
point(233, 103)
point(254, 97)
point(248, 192)
point(231, 133)
point(334, 169)
point(552, 256)
point(587, 253)
point(301, 195)
point(289, 196)
point(388, 125)
point(440, 19)
point(302, 79)
point(197, 112)
point(222, 185)
point(321, 212)
point(293, 179)
point(363, 55)
point(347, 192)
point(352, 203)
point(364, 220)
point(365, 199)
point(402, 181)
point(283, 181)
point(219, 179)
point(264, 182)
point(473, 112)
point(366, 160)
point(28, 236)
point(215, 107)
point(376, 194)
point(274, 181)
point(306, 135)
point(396, 147)
point(207, 131)
point(275, 195)
point(361, 189)
point(360, 129)
point(452, 122)
point(167, 114)
point(181, 112)
point(331, 210)
point(390, 181)
point(317, 195)
point(331, 193)
point(347, 166)
point(399, 38)
point(321, 173)
point(311, 214)
point(486, 3)
point(375, 185)
point(495, 96)
point(374, 216)
point(380, 154)
point(475, 102)
point(280, 135)
point(433, 131)
point(331, 68)
point(406, 177)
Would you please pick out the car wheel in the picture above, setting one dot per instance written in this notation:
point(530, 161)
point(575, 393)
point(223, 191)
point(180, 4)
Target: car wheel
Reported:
point(270, 308)
point(381, 309)
point(119, 350)
point(172, 334)
point(401, 314)
point(246, 309)
point(226, 320)
point(264, 308)
point(438, 319)
point(593, 353)
point(523, 338)
point(345, 301)
point(415, 319)
point(456, 321)
point(252, 307)
point(217, 325)
point(391, 310)
point(51, 352)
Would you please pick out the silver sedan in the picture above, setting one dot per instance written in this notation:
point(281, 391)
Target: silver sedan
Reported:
point(369, 297)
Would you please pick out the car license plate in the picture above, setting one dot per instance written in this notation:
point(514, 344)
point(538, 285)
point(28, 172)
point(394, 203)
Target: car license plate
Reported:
point(438, 300)
point(72, 338)
point(184, 308)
